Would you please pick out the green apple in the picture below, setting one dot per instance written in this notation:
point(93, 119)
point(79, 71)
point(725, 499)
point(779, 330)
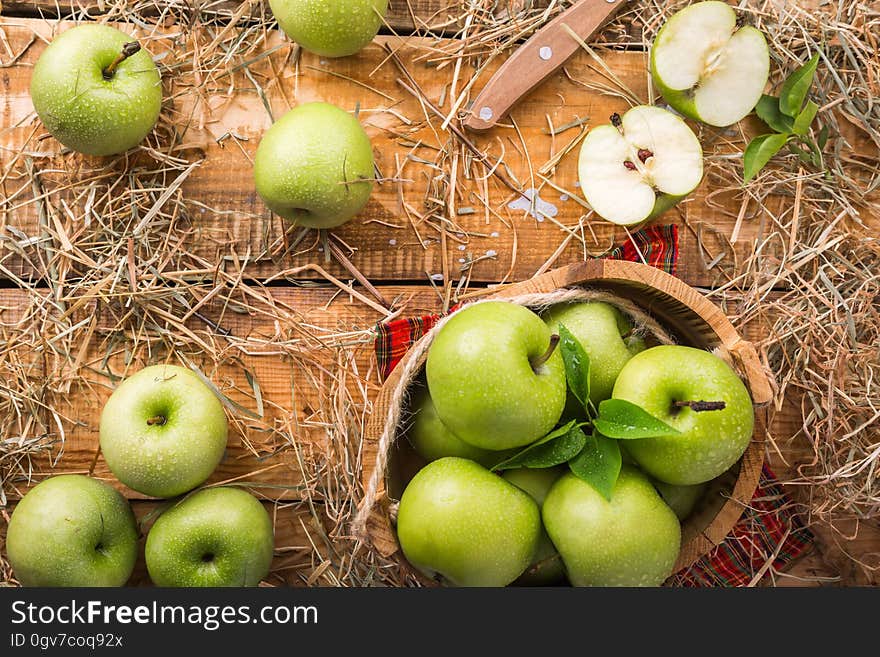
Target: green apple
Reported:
point(214, 537)
point(90, 102)
point(459, 522)
point(314, 166)
point(606, 334)
point(163, 431)
point(495, 376)
point(632, 540)
point(72, 530)
point(640, 165)
point(681, 499)
point(432, 440)
point(666, 381)
point(707, 67)
point(546, 567)
point(331, 28)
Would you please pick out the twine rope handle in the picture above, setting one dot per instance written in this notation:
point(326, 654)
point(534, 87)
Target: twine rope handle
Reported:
point(537, 301)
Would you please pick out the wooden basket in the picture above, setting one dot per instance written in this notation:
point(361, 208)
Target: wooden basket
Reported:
point(691, 318)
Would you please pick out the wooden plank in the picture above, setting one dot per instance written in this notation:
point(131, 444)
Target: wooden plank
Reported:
point(299, 545)
point(262, 361)
point(79, 405)
point(218, 218)
point(302, 378)
point(402, 15)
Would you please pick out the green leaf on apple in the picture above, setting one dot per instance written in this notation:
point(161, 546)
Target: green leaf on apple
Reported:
point(823, 137)
point(598, 463)
point(624, 420)
point(768, 111)
point(556, 447)
point(805, 118)
point(759, 151)
point(795, 88)
point(577, 365)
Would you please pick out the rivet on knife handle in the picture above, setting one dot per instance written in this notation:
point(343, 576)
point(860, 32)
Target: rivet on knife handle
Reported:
point(534, 61)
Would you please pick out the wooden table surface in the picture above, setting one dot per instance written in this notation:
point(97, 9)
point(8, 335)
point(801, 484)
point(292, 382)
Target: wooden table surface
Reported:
point(286, 350)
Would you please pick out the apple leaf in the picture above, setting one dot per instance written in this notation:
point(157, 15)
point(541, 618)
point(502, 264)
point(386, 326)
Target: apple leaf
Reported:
point(823, 137)
point(624, 420)
point(803, 121)
point(803, 154)
point(794, 89)
point(758, 153)
point(598, 464)
point(767, 110)
point(577, 365)
point(557, 451)
point(556, 447)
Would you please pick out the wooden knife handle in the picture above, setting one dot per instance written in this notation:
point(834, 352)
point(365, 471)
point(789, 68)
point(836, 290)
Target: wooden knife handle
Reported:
point(537, 59)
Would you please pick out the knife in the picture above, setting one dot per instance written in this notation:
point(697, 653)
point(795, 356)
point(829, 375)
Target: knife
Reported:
point(538, 58)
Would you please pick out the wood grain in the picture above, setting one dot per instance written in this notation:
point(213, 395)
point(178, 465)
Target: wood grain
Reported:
point(403, 15)
point(536, 59)
point(324, 308)
point(399, 236)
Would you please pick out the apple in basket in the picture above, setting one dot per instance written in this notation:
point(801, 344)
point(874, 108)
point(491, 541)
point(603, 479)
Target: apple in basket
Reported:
point(563, 502)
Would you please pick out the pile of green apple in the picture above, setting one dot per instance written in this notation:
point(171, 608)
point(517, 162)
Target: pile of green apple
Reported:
point(709, 69)
point(163, 432)
point(562, 446)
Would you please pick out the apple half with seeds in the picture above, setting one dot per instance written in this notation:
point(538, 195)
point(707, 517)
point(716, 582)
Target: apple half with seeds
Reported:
point(707, 67)
point(640, 165)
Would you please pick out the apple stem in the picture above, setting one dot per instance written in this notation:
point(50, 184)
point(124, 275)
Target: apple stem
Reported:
point(128, 50)
point(543, 358)
point(153, 421)
point(700, 406)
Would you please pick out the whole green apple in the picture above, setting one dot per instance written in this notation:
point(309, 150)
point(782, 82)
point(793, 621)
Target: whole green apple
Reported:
point(707, 66)
point(606, 334)
point(681, 499)
point(666, 381)
point(91, 100)
point(633, 540)
point(214, 537)
point(331, 28)
point(432, 440)
point(459, 521)
point(72, 530)
point(163, 431)
point(495, 376)
point(546, 568)
point(314, 166)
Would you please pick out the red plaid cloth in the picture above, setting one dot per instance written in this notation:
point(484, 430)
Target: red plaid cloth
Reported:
point(768, 529)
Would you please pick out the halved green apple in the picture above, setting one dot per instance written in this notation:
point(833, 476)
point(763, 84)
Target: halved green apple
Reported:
point(639, 166)
point(706, 67)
